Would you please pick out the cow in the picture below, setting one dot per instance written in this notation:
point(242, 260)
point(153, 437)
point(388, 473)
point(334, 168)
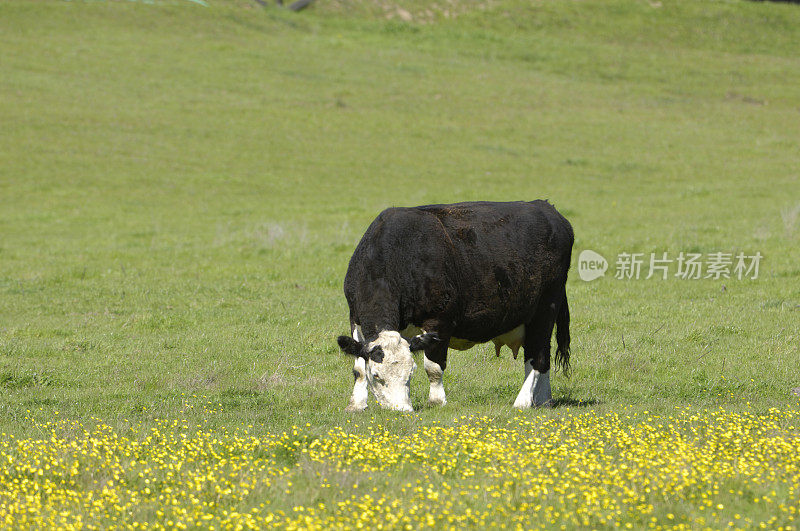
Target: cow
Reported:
point(434, 277)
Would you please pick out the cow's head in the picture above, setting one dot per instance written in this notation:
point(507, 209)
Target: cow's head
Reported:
point(389, 365)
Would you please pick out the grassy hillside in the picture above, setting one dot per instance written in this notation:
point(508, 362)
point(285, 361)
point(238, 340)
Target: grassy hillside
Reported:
point(181, 188)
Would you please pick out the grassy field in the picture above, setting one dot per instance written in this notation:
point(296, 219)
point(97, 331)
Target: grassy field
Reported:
point(181, 188)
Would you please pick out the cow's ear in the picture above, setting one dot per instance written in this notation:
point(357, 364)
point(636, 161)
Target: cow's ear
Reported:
point(423, 341)
point(350, 346)
point(376, 355)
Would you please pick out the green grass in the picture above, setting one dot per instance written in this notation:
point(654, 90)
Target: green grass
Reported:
point(181, 189)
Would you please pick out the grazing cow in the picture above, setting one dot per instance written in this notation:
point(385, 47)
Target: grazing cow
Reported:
point(438, 276)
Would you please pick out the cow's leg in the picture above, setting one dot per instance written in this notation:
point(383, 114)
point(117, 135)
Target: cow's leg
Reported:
point(435, 363)
point(358, 401)
point(536, 388)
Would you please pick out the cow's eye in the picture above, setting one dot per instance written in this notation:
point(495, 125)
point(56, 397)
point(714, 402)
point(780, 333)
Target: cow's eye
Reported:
point(377, 378)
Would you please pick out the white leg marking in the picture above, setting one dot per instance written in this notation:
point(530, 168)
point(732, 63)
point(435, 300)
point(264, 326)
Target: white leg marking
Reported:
point(358, 402)
point(435, 373)
point(542, 395)
point(536, 389)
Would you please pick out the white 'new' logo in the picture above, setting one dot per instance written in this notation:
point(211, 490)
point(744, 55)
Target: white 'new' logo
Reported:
point(591, 265)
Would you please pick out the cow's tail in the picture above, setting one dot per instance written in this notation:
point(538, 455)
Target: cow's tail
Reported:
point(562, 336)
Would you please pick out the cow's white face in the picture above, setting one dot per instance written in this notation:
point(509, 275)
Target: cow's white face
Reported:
point(389, 376)
point(389, 366)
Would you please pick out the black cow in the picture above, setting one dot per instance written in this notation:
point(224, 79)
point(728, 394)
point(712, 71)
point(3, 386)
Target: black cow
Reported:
point(453, 276)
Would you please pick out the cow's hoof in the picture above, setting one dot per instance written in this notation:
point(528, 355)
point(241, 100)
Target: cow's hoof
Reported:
point(522, 404)
point(437, 401)
point(547, 404)
point(355, 408)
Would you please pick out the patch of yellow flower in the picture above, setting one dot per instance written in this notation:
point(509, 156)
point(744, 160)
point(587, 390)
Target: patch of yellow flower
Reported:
point(691, 469)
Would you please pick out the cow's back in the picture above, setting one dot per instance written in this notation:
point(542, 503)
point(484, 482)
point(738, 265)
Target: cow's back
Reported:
point(482, 265)
point(508, 254)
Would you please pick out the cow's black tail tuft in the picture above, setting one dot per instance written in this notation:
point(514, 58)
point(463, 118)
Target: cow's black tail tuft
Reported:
point(562, 337)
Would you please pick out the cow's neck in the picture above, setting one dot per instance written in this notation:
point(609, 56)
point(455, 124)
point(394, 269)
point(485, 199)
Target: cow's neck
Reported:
point(373, 324)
